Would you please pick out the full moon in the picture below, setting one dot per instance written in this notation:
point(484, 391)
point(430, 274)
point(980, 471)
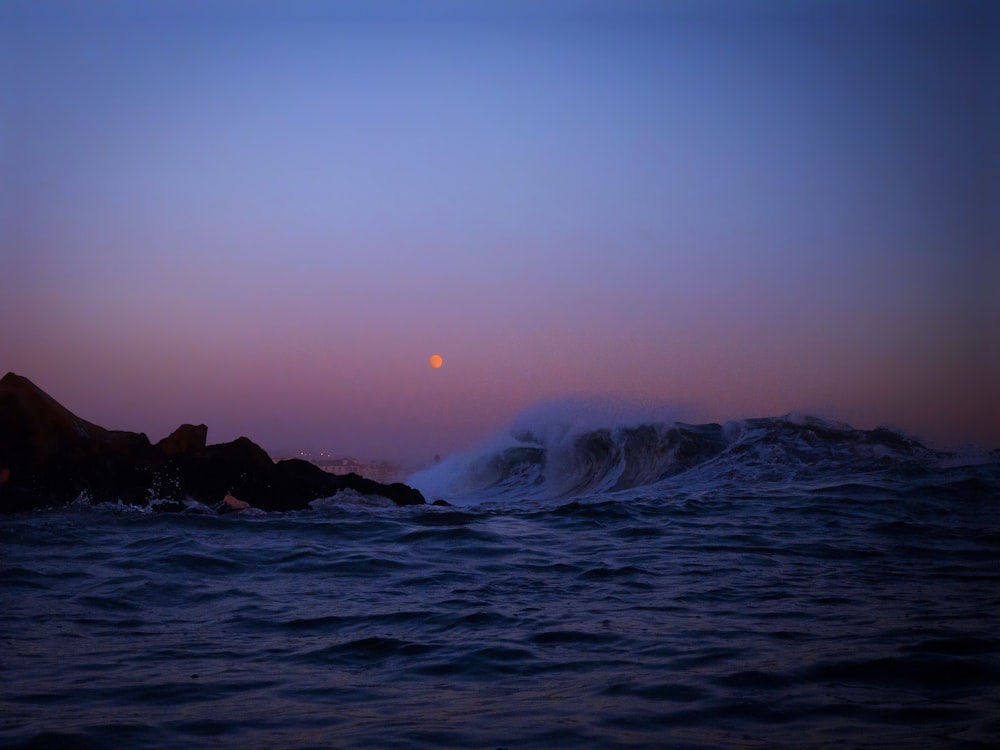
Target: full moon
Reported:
point(436, 361)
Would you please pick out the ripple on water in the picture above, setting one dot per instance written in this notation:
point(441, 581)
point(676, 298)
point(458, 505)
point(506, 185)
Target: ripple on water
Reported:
point(682, 621)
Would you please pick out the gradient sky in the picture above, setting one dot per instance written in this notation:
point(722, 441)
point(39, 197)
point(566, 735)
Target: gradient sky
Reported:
point(267, 216)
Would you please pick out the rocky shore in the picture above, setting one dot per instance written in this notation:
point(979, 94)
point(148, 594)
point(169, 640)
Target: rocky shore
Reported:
point(50, 457)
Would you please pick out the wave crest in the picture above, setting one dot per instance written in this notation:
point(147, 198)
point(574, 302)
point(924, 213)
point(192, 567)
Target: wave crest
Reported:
point(559, 459)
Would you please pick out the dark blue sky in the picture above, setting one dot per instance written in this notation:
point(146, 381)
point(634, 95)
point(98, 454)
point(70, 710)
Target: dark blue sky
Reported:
point(266, 216)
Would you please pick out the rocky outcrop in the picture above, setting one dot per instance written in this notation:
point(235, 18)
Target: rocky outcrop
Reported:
point(50, 457)
point(187, 438)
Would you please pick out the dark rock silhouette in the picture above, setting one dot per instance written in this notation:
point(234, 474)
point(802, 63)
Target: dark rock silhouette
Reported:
point(52, 457)
point(185, 439)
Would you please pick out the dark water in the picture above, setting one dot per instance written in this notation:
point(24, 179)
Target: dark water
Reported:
point(864, 614)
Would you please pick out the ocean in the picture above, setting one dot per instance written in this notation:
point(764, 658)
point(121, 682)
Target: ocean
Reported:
point(778, 593)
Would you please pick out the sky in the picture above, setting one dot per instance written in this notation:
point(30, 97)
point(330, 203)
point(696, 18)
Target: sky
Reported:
point(267, 216)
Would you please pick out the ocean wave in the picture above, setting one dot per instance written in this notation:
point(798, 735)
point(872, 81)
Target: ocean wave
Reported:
point(687, 619)
point(560, 460)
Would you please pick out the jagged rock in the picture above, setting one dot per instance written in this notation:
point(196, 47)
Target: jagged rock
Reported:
point(187, 438)
point(241, 468)
point(50, 457)
point(54, 456)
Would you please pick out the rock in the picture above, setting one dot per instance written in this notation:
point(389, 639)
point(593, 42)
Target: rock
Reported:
point(54, 456)
point(187, 438)
point(304, 482)
point(399, 493)
point(49, 457)
point(234, 503)
point(240, 468)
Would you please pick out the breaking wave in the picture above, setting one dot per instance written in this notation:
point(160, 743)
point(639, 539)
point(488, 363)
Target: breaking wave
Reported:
point(558, 459)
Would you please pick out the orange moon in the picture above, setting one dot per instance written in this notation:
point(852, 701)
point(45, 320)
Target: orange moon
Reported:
point(436, 361)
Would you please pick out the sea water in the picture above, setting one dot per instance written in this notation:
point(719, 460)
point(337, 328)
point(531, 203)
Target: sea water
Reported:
point(852, 611)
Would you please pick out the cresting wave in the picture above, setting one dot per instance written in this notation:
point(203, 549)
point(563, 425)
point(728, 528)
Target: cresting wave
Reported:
point(553, 461)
